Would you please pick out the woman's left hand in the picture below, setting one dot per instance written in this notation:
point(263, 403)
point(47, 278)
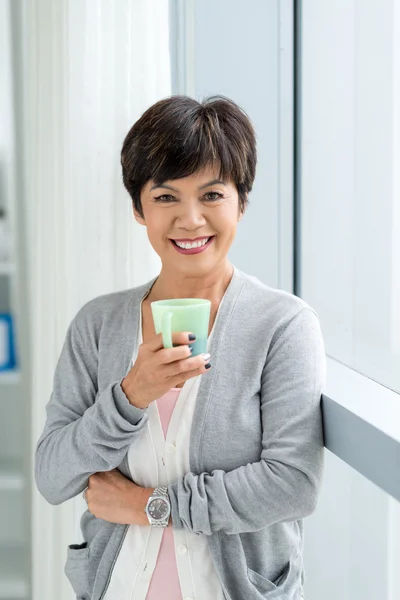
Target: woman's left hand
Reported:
point(113, 497)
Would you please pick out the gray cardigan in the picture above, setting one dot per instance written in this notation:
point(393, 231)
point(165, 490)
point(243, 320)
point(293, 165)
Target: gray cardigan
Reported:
point(256, 449)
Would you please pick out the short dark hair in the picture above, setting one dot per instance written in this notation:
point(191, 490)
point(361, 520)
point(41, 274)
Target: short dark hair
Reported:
point(178, 136)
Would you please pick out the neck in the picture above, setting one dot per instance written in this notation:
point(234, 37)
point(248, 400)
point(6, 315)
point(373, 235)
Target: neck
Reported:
point(210, 286)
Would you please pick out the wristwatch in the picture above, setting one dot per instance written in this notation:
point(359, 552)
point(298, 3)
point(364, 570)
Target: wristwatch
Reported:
point(158, 507)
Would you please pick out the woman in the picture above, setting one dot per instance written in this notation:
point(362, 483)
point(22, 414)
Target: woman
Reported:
point(231, 441)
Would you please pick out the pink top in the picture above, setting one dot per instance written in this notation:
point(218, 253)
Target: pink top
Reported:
point(165, 580)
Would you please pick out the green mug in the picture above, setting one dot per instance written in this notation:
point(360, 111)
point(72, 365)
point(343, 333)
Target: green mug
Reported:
point(183, 314)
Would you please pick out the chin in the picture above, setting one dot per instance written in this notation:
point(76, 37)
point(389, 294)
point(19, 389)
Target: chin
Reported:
point(197, 270)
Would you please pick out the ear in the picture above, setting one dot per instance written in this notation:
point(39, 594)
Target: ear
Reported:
point(138, 217)
point(241, 214)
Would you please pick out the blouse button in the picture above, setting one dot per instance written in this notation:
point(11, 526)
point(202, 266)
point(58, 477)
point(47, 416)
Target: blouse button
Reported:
point(182, 549)
point(171, 449)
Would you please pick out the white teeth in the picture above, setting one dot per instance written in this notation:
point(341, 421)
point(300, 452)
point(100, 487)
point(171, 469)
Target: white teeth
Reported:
point(186, 246)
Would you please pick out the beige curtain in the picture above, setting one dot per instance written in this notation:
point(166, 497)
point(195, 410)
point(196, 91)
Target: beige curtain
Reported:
point(90, 69)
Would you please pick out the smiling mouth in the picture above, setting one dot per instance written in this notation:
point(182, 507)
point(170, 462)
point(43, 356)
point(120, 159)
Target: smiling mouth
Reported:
point(196, 243)
point(194, 246)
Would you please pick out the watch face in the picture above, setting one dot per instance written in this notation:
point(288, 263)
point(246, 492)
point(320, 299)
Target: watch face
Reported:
point(158, 509)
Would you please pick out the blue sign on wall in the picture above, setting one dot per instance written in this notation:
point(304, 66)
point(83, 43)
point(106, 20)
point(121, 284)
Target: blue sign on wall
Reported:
point(7, 343)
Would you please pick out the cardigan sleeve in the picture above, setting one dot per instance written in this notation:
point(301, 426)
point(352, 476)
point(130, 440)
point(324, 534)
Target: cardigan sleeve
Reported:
point(85, 431)
point(284, 484)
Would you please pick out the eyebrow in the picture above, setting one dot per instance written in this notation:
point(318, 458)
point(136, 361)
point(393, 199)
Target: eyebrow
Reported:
point(168, 187)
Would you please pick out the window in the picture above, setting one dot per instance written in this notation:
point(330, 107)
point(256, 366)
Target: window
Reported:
point(350, 182)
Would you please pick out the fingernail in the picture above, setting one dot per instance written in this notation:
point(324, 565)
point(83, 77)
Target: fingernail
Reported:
point(206, 356)
point(208, 365)
point(192, 337)
point(191, 349)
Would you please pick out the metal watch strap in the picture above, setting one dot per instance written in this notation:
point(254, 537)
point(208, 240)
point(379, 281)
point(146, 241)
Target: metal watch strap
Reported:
point(160, 491)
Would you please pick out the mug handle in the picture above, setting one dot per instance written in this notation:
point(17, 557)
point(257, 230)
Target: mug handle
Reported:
point(166, 329)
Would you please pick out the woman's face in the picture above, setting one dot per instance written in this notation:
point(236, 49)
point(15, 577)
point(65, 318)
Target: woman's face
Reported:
point(192, 209)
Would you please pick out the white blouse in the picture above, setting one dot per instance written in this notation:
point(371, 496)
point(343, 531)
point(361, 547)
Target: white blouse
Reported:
point(155, 460)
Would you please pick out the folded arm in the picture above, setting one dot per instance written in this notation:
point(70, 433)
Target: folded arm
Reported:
point(85, 432)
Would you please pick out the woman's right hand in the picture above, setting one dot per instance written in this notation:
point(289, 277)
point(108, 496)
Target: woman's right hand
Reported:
point(158, 369)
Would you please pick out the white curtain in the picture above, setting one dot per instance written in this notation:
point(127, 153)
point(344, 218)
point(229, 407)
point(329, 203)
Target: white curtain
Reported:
point(90, 69)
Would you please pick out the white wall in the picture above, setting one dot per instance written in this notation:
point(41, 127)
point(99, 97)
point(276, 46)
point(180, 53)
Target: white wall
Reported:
point(350, 265)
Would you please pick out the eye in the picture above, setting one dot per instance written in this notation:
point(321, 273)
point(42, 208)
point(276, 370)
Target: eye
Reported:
point(164, 198)
point(216, 195)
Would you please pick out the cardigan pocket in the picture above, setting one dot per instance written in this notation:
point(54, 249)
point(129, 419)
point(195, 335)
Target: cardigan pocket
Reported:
point(273, 589)
point(77, 569)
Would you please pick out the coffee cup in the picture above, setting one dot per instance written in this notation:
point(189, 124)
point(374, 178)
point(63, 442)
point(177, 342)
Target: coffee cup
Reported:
point(183, 314)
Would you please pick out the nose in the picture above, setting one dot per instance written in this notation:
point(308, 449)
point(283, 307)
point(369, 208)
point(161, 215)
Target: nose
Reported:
point(190, 216)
